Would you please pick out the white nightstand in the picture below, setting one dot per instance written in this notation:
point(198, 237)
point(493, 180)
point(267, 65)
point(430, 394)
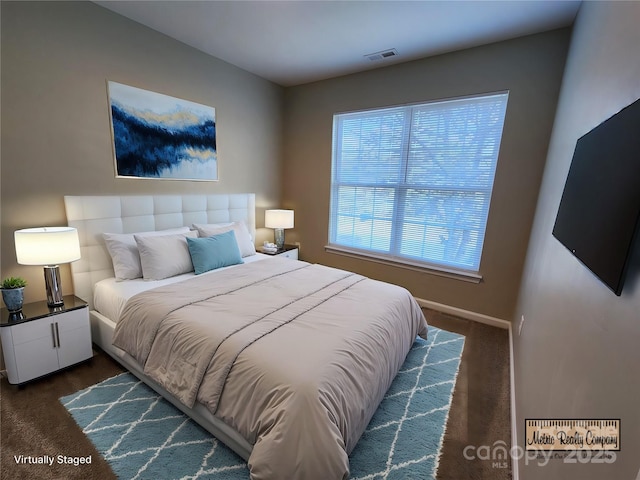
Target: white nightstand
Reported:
point(40, 339)
point(288, 251)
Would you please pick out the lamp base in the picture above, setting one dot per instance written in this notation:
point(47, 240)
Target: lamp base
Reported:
point(279, 237)
point(53, 285)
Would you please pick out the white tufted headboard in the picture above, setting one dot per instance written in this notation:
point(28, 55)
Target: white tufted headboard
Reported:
point(95, 215)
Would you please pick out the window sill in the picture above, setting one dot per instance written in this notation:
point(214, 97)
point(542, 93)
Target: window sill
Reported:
point(454, 273)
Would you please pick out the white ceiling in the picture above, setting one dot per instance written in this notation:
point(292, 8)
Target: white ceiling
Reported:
point(295, 42)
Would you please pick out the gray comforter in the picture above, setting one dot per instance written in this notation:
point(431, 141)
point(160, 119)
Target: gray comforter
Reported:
point(296, 357)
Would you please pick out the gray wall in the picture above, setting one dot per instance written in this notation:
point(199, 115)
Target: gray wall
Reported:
point(578, 353)
point(529, 67)
point(56, 138)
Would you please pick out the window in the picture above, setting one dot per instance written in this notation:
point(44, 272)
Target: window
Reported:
point(412, 184)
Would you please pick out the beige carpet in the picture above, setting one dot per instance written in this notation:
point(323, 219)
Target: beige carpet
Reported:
point(33, 422)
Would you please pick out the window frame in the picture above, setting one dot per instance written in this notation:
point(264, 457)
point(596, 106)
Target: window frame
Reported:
point(402, 186)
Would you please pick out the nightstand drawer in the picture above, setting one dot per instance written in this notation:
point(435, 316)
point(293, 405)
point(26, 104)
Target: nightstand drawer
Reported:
point(34, 359)
point(73, 320)
point(28, 332)
point(67, 321)
point(292, 254)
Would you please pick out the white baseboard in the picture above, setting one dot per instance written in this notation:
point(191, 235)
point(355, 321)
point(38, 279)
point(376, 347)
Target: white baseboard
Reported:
point(514, 418)
point(469, 315)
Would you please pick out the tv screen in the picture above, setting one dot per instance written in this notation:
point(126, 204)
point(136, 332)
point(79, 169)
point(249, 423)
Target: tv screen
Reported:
point(598, 215)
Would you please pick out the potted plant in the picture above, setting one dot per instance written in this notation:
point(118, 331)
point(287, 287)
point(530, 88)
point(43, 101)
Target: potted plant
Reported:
point(13, 293)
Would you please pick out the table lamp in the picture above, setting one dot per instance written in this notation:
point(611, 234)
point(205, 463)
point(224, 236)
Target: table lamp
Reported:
point(278, 220)
point(48, 246)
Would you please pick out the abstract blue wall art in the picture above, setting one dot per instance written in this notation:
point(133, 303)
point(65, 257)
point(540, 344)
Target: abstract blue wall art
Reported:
point(161, 137)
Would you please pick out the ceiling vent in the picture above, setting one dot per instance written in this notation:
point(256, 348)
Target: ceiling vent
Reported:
point(374, 57)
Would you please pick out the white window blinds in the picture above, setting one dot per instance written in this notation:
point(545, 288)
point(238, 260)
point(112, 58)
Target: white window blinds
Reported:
point(414, 183)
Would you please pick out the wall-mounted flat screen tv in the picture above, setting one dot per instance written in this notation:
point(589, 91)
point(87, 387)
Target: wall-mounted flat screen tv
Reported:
point(600, 208)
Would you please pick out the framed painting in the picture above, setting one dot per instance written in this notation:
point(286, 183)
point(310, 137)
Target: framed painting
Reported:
point(161, 137)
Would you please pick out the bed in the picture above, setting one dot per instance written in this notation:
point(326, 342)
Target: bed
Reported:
point(282, 360)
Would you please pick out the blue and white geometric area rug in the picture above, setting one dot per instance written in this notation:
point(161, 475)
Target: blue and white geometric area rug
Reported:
point(143, 436)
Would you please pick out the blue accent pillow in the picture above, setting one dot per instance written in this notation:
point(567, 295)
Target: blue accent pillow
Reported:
point(218, 251)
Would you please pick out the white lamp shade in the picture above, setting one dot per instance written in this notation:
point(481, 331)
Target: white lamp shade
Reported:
point(278, 218)
point(47, 245)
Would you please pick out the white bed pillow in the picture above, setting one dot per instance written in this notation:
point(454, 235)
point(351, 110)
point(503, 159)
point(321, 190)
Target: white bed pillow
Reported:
point(164, 256)
point(243, 237)
point(124, 251)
